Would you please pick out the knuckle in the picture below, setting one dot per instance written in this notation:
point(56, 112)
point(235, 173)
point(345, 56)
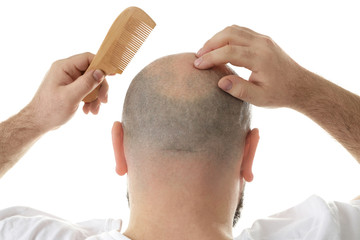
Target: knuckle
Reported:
point(231, 30)
point(89, 54)
point(241, 32)
point(242, 93)
point(232, 40)
point(268, 41)
point(232, 33)
point(227, 29)
point(56, 64)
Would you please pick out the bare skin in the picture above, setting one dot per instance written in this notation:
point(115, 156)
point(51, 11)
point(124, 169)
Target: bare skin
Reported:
point(278, 81)
point(55, 102)
point(176, 196)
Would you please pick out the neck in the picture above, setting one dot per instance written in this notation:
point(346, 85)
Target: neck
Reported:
point(195, 208)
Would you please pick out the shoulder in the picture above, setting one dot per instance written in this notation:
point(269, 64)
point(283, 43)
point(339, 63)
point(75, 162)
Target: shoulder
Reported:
point(25, 223)
point(18, 211)
point(314, 218)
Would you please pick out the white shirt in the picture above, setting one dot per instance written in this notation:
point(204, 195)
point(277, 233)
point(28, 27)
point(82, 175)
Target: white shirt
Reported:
point(314, 219)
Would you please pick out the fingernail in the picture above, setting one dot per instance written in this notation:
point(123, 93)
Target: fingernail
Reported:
point(98, 75)
point(225, 84)
point(199, 52)
point(198, 62)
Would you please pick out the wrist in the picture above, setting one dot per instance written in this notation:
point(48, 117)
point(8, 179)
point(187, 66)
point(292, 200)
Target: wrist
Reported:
point(31, 119)
point(309, 89)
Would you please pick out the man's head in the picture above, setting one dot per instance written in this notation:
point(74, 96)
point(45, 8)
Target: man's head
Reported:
point(178, 126)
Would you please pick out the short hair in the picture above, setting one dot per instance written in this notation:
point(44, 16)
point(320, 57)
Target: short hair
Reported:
point(183, 112)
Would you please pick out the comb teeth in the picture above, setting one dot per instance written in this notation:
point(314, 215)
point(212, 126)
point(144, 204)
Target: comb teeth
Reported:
point(129, 42)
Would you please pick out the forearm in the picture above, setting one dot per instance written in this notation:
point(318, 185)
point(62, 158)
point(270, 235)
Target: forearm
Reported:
point(335, 109)
point(55, 102)
point(17, 135)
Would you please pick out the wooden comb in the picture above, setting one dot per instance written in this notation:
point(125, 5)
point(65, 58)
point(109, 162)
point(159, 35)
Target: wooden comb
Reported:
point(123, 40)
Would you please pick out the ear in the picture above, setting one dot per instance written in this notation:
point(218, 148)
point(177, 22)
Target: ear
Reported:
point(118, 145)
point(251, 143)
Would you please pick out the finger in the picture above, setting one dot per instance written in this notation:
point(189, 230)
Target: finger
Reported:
point(240, 88)
point(86, 108)
point(94, 106)
point(248, 30)
point(83, 85)
point(81, 61)
point(236, 55)
point(233, 35)
point(103, 92)
point(76, 65)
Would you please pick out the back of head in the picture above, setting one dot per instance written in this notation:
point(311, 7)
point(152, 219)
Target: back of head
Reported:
point(175, 111)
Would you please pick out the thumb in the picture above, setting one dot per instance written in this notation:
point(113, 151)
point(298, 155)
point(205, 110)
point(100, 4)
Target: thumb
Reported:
point(238, 88)
point(84, 84)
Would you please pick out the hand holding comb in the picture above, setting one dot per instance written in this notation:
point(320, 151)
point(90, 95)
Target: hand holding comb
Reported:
point(123, 40)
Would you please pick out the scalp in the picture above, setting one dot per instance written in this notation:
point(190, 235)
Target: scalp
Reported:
point(173, 108)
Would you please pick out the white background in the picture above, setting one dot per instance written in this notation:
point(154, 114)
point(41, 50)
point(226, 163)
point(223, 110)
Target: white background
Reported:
point(70, 171)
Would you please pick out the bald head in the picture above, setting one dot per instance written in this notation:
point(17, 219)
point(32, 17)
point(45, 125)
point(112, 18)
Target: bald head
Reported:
point(173, 109)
